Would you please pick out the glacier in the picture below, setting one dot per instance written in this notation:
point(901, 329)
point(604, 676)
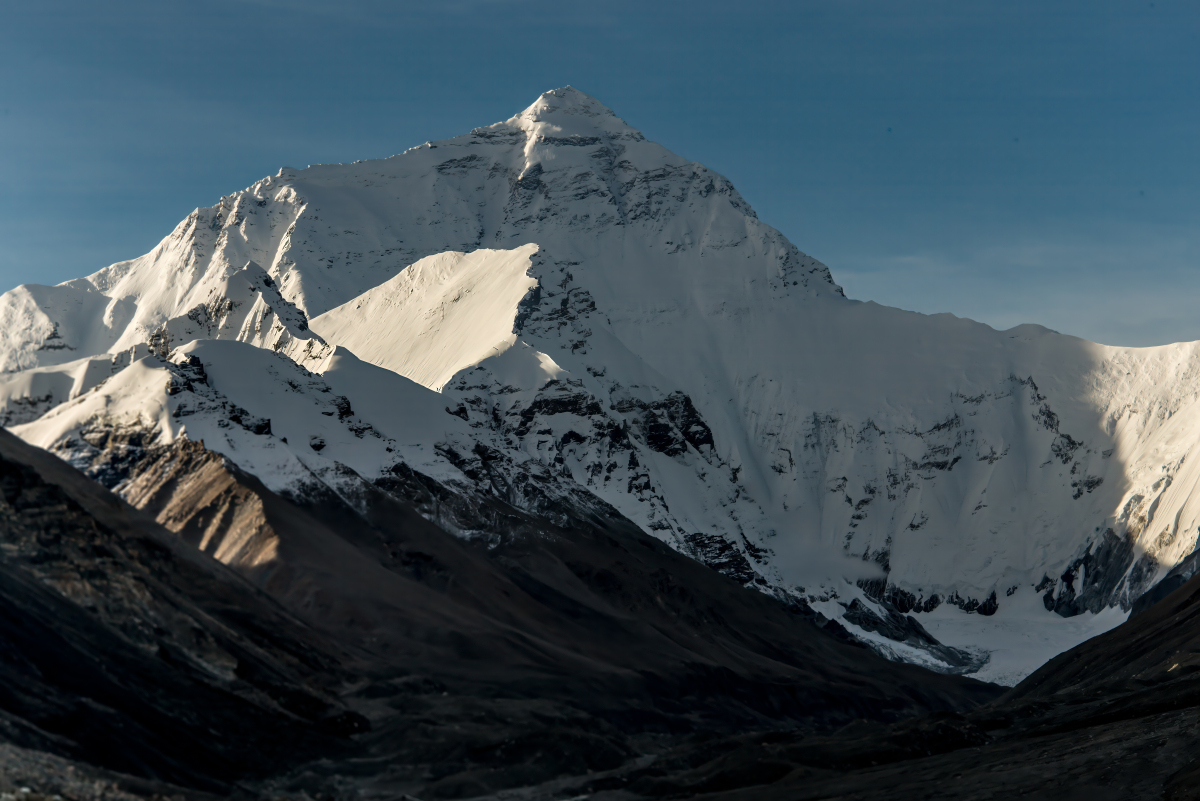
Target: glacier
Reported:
point(556, 310)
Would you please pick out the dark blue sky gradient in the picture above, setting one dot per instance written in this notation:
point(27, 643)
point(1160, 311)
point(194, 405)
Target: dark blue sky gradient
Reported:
point(1007, 161)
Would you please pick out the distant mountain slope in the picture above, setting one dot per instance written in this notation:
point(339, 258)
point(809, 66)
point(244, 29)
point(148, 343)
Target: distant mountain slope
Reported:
point(622, 330)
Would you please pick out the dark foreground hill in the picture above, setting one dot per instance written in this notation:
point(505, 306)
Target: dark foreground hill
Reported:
point(365, 647)
point(360, 652)
point(1114, 718)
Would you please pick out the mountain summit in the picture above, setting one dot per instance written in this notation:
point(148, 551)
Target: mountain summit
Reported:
point(569, 112)
point(554, 311)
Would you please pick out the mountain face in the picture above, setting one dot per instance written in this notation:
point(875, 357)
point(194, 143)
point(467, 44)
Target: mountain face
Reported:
point(555, 313)
point(396, 657)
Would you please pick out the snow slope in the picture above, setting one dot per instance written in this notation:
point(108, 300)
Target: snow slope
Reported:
point(606, 315)
point(441, 315)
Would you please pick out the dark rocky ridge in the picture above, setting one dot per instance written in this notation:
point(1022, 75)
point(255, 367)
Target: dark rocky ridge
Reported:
point(121, 646)
point(1114, 718)
point(445, 668)
point(581, 659)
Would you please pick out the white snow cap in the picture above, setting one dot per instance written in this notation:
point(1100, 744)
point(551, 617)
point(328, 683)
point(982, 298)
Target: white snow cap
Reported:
point(615, 321)
point(570, 112)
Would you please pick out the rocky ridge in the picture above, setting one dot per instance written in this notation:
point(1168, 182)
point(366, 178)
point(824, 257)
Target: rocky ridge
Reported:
point(398, 658)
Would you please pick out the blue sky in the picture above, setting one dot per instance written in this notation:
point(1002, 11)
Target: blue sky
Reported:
point(1006, 161)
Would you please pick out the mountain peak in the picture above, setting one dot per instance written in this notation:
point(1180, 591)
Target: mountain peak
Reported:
point(569, 112)
point(565, 99)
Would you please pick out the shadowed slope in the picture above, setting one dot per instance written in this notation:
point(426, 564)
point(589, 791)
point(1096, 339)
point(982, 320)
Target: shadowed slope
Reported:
point(547, 651)
point(122, 647)
point(1113, 718)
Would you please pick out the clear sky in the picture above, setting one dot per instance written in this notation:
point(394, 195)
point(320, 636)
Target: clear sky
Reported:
point(1014, 161)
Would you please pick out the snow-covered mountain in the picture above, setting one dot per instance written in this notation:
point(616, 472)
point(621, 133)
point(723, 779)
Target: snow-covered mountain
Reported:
point(555, 310)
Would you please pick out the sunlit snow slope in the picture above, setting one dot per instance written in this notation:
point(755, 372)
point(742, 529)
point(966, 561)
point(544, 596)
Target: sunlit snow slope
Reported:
point(611, 317)
point(438, 316)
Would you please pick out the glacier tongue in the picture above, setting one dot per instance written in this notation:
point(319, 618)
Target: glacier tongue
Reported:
point(603, 319)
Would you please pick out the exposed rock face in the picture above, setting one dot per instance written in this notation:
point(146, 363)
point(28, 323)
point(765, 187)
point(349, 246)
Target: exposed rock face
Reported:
point(193, 492)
